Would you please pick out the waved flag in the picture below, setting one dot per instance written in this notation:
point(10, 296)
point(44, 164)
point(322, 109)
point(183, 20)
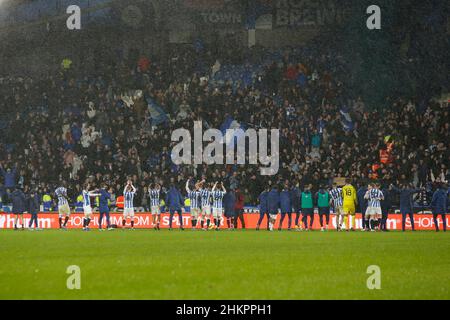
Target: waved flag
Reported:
point(157, 114)
point(346, 119)
point(231, 123)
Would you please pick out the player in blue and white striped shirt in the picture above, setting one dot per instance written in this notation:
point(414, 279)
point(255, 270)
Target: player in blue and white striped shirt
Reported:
point(155, 193)
point(63, 205)
point(128, 204)
point(336, 197)
point(87, 205)
point(217, 207)
point(373, 212)
point(194, 197)
point(205, 197)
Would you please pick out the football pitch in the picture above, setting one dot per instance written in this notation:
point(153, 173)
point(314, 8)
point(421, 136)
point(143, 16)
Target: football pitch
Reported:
point(147, 264)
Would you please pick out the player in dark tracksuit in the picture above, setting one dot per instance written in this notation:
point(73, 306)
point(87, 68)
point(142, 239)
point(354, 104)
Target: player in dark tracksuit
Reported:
point(362, 204)
point(406, 206)
point(104, 198)
point(286, 207)
point(296, 204)
point(439, 205)
point(273, 204)
point(386, 205)
point(174, 201)
point(19, 204)
point(33, 209)
point(263, 209)
point(239, 208)
point(229, 202)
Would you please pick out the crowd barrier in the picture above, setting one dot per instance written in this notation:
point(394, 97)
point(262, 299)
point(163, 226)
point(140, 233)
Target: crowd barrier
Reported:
point(144, 220)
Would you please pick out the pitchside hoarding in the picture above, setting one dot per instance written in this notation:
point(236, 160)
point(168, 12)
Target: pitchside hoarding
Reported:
point(144, 220)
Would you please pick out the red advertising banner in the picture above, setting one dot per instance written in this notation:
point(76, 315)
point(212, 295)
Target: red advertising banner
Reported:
point(144, 220)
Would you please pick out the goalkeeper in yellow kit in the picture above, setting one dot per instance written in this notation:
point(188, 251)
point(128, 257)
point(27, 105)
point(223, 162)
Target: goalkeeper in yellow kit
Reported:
point(349, 204)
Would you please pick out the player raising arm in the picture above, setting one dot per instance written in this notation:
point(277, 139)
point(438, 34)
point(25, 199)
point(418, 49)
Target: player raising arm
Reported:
point(128, 208)
point(63, 205)
point(194, 197)
point(154, 192)
point(217, 196)
point(205, 195)
point(87, 194)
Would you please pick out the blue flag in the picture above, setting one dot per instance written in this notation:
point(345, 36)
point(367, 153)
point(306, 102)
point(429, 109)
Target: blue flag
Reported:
point(231, 123)
point(157, 114)
point(346, 119)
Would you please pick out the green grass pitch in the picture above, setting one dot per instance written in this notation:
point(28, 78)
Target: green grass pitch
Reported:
point(146, 264)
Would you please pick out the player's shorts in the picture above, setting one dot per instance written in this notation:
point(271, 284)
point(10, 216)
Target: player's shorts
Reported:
point(217, 212)
point(339, 210)
point(324, 210)
point(206, 210)
point(349, 209)
point(373, 211)
point(195, 212)
point(308, 211)
point(273, 216)
point(64, 210)
point(128, 212)
point(230, 213)
point(103, 210)
point(87, 210)
point(155, 210)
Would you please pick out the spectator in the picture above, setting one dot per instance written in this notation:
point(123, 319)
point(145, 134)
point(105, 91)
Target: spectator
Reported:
point(9, 176)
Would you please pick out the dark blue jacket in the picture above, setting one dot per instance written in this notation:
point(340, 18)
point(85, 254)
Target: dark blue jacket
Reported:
point(386, 204)
point(406, 203)
point(263, 208)
point(18, 200)
point(362, 203)
point(33, 204)
point(439, 201)
point(3, 194)
point(285, 201)
point(296, 195)
point(229, 200)
point(103, 200)
point(174, 199)
point(10, 178)
point(273, 201)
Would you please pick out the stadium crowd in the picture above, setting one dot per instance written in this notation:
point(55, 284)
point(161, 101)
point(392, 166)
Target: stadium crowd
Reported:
point(83, 124)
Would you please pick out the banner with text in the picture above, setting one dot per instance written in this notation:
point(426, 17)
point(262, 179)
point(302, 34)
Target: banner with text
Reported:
point(307, 13)
point(144, 220)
